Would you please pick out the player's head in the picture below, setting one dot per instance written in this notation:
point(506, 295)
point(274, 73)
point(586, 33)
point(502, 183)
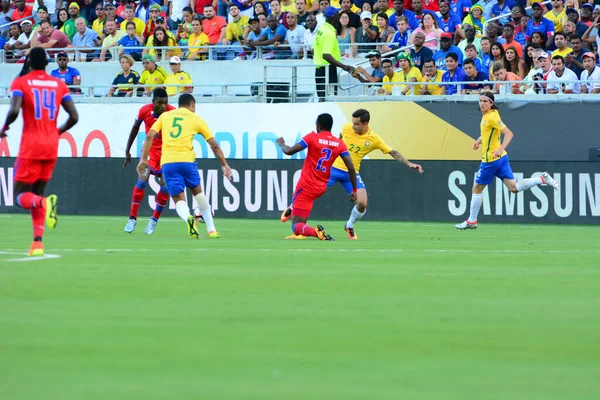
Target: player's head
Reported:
point(160, 99)
point(324, 122)
point(38, 59)
point(188, 101)
point(360, 121)
point(487, 101)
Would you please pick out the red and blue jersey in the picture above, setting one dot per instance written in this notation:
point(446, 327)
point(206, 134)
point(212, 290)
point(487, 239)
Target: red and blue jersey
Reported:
point(42, 97)
point(67, 76)
point(146, 115)
point(545, 27)
point(323, 149)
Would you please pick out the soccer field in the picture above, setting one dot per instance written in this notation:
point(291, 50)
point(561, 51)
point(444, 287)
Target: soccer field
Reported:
point(410, 311)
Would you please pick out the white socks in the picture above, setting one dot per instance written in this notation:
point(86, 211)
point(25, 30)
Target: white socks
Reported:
point(355, 215)
point(528, 183)
point(476, 201)
point(204, 208)
point(182, 210)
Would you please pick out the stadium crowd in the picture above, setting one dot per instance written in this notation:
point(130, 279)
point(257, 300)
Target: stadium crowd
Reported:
point(453, 40)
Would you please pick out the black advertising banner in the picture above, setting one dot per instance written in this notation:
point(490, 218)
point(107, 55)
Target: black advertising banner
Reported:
point(263, 188)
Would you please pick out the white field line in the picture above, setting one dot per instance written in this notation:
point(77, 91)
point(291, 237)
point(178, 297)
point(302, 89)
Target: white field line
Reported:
point(27, 258)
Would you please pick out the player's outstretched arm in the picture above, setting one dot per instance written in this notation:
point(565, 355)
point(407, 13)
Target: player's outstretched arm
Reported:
point(13, 113)
point(290, 151)
point(69, 107)
point(351, 173)
point(399, 157)
point(214, 146)
point(132, 134)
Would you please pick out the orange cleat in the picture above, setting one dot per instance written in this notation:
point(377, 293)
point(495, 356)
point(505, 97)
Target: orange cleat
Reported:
point(351, 234)
point(36, 249)
point(286, 214)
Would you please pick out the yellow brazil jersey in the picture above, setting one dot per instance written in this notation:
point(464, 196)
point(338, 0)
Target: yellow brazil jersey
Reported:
point(359, 146)
point(290, 7)
point(491, 125)
point(153, 78)
point(139, 26)
point(178, 128)
point(557, 19)
point(197, 41)
point(433, 89)
point(562, 53)
point(98, 26)
point(235, 30)
point(180, 78)
point(395, 78)
point(413, 72)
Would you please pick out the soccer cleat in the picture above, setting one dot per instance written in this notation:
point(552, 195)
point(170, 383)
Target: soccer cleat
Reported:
point(36, 249)
point(351, 234)
point(50, 204)
point(214, 235)
point(321, 234)
point(293, 236)
point(192, 228)
point(199, 217)
point(286, 214)
point(130, 225)
point(151, 226)
point(549, 180)
point(466, 225)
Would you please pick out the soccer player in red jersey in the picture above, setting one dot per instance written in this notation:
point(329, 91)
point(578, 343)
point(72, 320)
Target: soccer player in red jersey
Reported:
point(323, 149)
point(40, 96)
point(148, 114)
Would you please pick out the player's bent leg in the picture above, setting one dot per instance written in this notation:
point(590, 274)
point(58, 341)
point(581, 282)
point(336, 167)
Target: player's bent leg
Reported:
point(358, 211)
point(162, 197)
point(136, 200)
point(206, 211)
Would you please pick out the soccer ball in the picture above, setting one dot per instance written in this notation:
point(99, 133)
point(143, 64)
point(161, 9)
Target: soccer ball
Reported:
point(198, 214)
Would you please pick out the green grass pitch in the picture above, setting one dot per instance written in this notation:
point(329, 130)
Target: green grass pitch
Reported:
point(410, 311)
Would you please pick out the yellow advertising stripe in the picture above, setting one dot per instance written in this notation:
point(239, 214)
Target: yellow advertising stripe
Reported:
point(415, 132)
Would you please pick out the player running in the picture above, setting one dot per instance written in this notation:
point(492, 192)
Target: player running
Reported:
point(494, 161)
point(179, 160)
point(40, 96)
point(148, 114)
point(360, 140)
point(323, 150)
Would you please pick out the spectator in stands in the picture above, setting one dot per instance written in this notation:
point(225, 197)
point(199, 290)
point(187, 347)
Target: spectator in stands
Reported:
point(62, 17)
point(475, 19)
point(557, 15)
point(366, 34)
point(561, 74)
point(540, 24)
point(157, 41)
point(528, 57)
point(185, 29)
point(23, 11)
point(255, 33)
point(400, 38)
point(486, 54)
point(390, 76)
point(569, 29)
point(130, 17)
point(42, 15)
point(271, 39)
point(538, 39)
point(260, 8)
point(49, 38)
point(143, 10)
point(498, 56)
point(152, 74)
point(121, 8)
point(591, 72)
point(491, 31)
point(471, 54)
point(376, 74)
point(278, 12)
point(509, 39)
point(408, 73)
point(383, 6)
point(536, 74)
point(24, 41)
point(517, 66)
point(473, 75)
point(417, 7)
point(560, 41)
point(111, 12)
point(446, 47)
point(288, 6)
point(591, 34)
point(245, 6)
point(309, 34)
point(502, 7)
point(502, 75)
point(215, 28)
point(366, 7)
point(399, 11)
point(176, 13)
point(450, 22)
point(545, 64)
point(13, 37)
point(386, 33)
point(586, 12)
point(453, 73)
point(5, 16)
point(294, 37)
point(111, 38)
point(574, 60)
point(346, 34)
point(234, 32)
point(302, 13)
point(198, 41)
point(85, 38)
point(130, 41)
point(461, 7)
point(126, 79)
point(98, 24)
point(262, 21)
point(69, 26)
point(573, 16)
point(518, 13)
point(178, 77)
point(431, 79)
point(487, 6)
point(69, 75)
point(431, 30)
point(420, 54)
point(349, 8)
point(470, 38)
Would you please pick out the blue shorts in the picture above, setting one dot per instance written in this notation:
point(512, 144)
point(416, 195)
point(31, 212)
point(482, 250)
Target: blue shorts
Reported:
point(179, 175)
point(499, 168)
point(343, 177)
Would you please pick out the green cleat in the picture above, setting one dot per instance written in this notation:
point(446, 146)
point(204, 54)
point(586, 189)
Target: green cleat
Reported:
point(192, 228)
